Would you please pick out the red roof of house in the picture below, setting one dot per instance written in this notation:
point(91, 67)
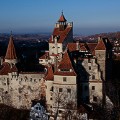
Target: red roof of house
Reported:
point(65, 64)
point(62, 18)
point(6, 68)
point(91, 46)
point(11, 53)
point(49, 75)
point(83, 47)
point(71, 47)
point(62, 34)
point(100, 45)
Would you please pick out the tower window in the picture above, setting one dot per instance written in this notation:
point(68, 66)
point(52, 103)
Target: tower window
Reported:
point(60, 89)
point(51, 88)
point(93, 76)
point(89, 67)
point(93, 87)
point(94, 98)
point(69, 90)
point(64, 79)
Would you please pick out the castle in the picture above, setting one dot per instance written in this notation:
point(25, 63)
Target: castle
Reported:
point(75, 72)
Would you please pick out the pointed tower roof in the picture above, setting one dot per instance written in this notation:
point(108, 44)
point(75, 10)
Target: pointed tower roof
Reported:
point(11, 53)
point(66, 62)
point(49, 75)
point(62, 18)
point(65, 67)
point(100, 45)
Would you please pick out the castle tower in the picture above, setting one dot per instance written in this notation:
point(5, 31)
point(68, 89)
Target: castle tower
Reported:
point(10, 56)
point(100, 52)
point(61, 36)
point(62, 22)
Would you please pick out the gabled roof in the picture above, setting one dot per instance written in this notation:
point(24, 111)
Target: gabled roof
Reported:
point(83, 47)
point(11, 53)
point(100, 45)
point(62, 34)
point(65, 64)
point(91, 46)
point(62, 18)
point(49, 75)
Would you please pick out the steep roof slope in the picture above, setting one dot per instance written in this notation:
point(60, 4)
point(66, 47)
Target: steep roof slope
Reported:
point(11, 53)
point(65, 67)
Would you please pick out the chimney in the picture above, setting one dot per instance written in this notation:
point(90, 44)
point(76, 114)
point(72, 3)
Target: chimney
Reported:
point(52, 37)
point(77, 44)
point(99, 38)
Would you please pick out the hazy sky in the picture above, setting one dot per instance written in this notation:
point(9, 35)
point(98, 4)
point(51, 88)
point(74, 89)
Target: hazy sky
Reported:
point(88, 16)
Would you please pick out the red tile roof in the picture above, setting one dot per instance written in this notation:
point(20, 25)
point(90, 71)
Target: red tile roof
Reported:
point(62, 34)
point(83, 47)
point(100, 45)
point(11, 53)
point(62, 18)
point(65, 64)
point(91, 46)
point(6, 68)
point(71, 47)
point(49, 75)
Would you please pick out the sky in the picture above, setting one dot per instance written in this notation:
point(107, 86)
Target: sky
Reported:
point(39, 16)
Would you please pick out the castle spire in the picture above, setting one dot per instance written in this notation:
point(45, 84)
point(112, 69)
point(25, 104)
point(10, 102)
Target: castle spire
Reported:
point(11, 53)
point(62, 18)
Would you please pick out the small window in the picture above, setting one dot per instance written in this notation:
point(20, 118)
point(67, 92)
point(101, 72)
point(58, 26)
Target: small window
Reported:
point(89, 67)
point(94, 98)
point(51, 88)
point(64, 79)
point(93, 76)
point(51, 98)
point(60, 111)
point(4, 83)
point(60, 89)
point(93, 87)
point(69, 90)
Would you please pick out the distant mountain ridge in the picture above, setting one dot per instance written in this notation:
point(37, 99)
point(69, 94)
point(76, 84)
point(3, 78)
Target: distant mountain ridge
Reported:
point(110, 35)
